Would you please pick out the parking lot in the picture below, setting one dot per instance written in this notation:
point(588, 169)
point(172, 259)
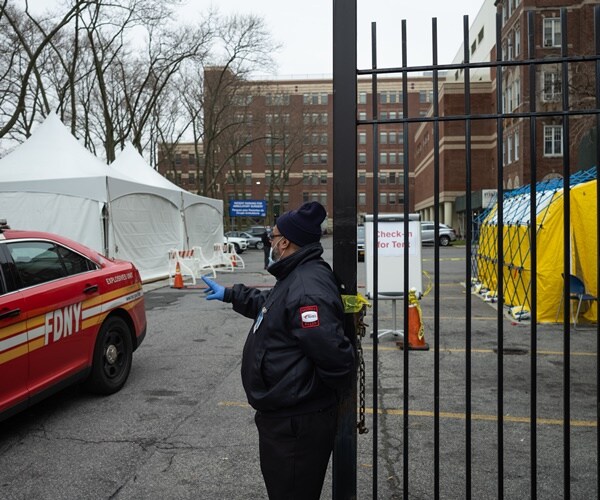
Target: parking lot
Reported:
point(181, 427)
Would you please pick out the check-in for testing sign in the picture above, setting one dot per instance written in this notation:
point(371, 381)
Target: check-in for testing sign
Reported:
point(391, 245)
point(391, 239)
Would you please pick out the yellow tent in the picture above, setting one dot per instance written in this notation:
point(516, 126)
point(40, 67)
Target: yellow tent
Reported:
point(516, 270)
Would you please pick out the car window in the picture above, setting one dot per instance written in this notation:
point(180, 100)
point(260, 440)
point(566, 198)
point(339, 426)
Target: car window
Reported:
point(41, 261)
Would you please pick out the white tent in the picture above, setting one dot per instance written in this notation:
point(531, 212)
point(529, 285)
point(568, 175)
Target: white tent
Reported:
point(200, 219)
point(52, 183)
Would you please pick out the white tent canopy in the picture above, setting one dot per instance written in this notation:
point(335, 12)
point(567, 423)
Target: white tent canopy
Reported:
point(52, 183)
point(200, 219)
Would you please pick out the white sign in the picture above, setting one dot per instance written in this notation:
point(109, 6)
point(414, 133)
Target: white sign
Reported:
point(390, 239)
point(488, 197)
point(390, 255)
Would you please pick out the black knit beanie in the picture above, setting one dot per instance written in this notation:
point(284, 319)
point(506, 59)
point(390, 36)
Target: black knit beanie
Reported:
point(302, 226)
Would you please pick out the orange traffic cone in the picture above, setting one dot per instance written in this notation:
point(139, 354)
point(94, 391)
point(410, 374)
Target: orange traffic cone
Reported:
point(416, 334)
point(178, 281)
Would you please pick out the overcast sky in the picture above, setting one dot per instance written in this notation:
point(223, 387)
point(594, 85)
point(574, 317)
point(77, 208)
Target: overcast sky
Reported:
point(304, 28)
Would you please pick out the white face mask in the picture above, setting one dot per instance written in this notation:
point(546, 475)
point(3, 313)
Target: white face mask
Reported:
point(272, 257)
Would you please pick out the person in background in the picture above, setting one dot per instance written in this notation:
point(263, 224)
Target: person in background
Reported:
point(296, 359)
point(266, 247)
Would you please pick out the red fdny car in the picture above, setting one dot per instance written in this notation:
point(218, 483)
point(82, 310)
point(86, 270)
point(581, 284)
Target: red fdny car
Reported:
point(67, 314)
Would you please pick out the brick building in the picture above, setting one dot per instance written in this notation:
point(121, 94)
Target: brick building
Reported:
point(279, 147)
point(274, 138)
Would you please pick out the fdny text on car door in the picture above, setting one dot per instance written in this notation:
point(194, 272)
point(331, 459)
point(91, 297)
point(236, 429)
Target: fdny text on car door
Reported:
point(56, 282)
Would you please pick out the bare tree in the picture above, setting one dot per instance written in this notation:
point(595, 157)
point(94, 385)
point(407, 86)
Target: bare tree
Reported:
point(27, 41)
point(289, 137)
point(244, 45)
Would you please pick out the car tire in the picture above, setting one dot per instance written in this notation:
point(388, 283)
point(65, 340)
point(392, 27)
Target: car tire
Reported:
point(444, 241)
point(260, 245)
point(113, 356)
point(237, 248)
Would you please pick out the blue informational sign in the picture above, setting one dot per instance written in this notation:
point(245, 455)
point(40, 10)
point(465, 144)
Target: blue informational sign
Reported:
point(247, 208)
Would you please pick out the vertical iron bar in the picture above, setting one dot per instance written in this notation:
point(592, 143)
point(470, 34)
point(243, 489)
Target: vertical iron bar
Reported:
point(406, 285)
point(567, 260)
point(344, 224)
point(597, 52)
point(468, 360)
point(436, 271)
point(597, 47)
point(500, 264)
point(533, 225)
point(375, 275)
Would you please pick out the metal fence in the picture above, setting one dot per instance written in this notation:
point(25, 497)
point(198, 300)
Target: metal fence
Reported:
point(345, 216)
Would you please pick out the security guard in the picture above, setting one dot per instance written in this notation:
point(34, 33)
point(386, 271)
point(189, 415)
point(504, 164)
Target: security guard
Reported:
point(296, 356)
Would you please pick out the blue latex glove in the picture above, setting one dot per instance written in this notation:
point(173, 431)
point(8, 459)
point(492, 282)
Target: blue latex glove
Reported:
point(214, 290)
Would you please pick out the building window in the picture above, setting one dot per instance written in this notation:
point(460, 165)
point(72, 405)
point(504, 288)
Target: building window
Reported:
point(516, 145)
point(277, 99)
point(383, 137)
point(383, 158)
point(362, 158)
point(305, 196)
point(383, 177)
point(362, 177)
point(362, 198)
point(177, 159)
point(480, 36)
point(362, 115)
point(509, 149)
point(473, 47)
point(362, 137)
point(315, 98)
point(362, 98)
point(553, 140)
point(191, 178)
point(323, 197)
point(552, 32)
point(517, 41)
point(552, 89)
point(324, 177)
point(392, 198)
point(383, 198)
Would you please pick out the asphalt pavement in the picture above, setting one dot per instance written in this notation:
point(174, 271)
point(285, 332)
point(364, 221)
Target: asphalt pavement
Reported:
point(181, 427)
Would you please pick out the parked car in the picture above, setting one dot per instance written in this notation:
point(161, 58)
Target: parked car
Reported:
point(67, 315)
point(446, 233)
point(253, 241)
point(360, 243)
point(257, 230)
point(240, 244)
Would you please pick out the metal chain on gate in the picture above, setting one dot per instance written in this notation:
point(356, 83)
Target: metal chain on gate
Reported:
point(361, 331)
point(357, 304)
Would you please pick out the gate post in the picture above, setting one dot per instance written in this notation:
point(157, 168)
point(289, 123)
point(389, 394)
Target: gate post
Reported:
point(344, 224)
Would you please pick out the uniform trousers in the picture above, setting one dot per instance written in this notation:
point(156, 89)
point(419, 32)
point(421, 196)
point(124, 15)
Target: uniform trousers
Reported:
point(294, 453)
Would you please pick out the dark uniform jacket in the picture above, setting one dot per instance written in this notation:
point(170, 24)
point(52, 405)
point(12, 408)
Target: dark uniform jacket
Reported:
point(296, 355)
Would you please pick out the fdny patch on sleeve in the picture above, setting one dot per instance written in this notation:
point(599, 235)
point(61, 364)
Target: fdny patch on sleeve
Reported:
point(309, 316)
